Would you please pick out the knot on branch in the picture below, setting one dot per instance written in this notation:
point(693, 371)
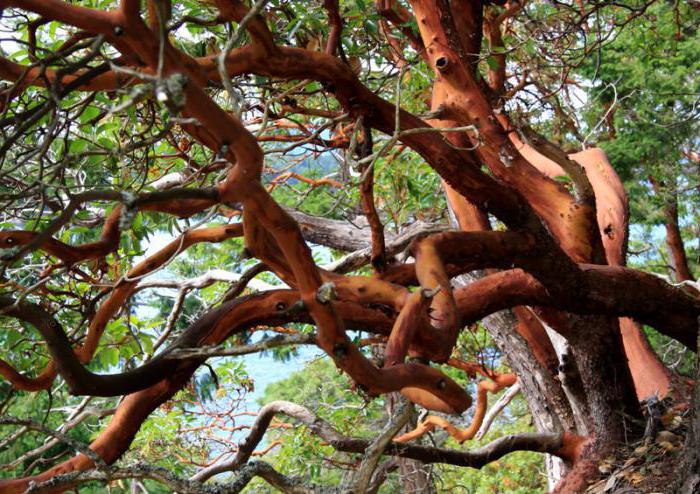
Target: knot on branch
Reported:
point(326, 293)
point(296, 308)
point(442, 63)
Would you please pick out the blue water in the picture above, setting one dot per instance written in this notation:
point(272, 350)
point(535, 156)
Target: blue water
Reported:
point(265, 370)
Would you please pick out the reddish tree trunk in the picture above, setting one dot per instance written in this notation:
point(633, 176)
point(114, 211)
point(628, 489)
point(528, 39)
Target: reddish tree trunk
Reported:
point(674, 240)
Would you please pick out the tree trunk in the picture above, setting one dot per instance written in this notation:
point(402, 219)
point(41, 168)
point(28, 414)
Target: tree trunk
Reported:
point(674, 240)
point(551, 414)
point(596, 344)
point(570, 380)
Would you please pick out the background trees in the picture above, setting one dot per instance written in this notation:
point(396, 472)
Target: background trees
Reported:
point(158, 215)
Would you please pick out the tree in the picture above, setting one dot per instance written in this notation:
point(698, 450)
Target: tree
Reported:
point(265, 127)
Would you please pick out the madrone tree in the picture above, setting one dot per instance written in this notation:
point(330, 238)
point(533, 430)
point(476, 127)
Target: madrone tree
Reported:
point(120, 117)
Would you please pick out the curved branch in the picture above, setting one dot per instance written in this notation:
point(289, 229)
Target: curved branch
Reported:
point(564, 445)
point(124, 289)
point(379, 259)
point(79, 379)
point(235, 316)
point(263, 309)
point(251, 470)
point(174, 201)
point(496, 409)
point(498, 382)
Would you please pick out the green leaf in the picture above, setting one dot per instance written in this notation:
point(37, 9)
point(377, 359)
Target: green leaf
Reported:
point(110, 356)
point(90, 113)
point(492, 62)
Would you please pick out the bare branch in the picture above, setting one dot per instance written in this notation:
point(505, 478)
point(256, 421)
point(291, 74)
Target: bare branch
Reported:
point(363, 475)
point(496, 409)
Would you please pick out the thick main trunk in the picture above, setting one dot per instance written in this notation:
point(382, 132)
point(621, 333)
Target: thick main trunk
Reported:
point(614, 411)
point(597, 348)
point(612, 209)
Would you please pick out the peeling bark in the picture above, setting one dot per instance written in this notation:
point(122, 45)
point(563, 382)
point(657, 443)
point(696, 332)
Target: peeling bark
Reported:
point(564, 253)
